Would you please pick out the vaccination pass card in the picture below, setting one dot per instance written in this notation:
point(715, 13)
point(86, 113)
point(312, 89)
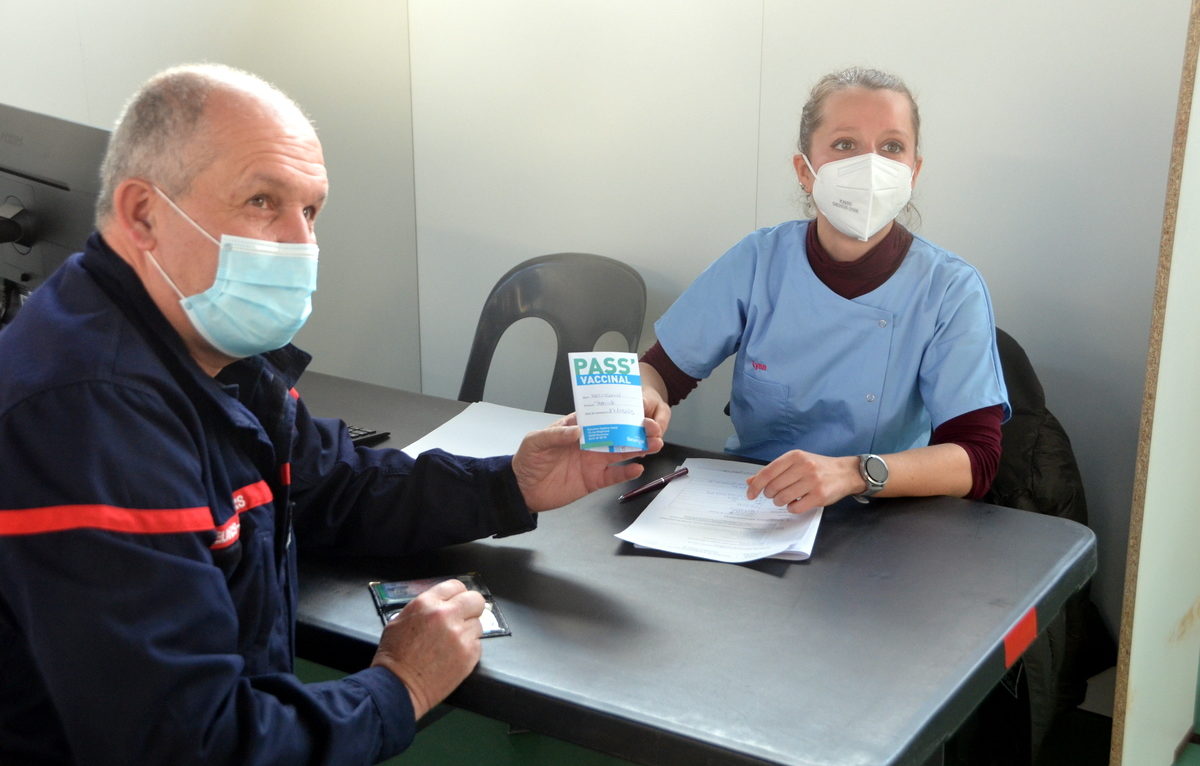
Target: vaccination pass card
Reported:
point(608, 401)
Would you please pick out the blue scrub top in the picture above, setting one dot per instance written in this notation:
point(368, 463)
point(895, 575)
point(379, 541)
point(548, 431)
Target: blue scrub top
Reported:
point(818, 372)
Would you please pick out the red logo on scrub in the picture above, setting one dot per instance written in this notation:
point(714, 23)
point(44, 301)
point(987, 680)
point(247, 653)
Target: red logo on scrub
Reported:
point(759, 366)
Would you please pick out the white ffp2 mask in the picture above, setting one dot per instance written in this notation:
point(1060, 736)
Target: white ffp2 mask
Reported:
point(860, 195)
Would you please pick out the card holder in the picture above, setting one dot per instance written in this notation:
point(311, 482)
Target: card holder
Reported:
point(391, 597)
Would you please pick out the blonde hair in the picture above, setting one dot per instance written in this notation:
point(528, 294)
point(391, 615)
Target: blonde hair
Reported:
point(854, 77)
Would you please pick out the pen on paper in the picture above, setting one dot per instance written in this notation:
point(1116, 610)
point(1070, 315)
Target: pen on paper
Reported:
point(658, 483)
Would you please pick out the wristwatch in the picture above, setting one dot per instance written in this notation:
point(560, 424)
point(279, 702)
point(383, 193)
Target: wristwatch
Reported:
point(874, 472)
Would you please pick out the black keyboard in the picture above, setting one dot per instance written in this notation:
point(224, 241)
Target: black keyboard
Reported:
point(366, 437)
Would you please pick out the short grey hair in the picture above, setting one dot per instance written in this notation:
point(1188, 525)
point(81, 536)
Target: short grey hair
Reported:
point(155, 136)
point(854, 77)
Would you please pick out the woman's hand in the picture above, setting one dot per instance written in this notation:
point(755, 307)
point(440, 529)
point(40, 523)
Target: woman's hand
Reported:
point(654, 396)
point(656, 407)
point(803, 480)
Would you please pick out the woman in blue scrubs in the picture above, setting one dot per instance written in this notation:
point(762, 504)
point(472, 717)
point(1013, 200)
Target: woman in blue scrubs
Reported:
point(866, 359)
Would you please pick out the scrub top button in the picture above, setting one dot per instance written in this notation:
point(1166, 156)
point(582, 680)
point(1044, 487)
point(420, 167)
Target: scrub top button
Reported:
point(870, 397)
point(883, 323)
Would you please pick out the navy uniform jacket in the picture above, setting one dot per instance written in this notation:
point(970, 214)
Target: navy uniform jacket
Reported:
point(147, 562)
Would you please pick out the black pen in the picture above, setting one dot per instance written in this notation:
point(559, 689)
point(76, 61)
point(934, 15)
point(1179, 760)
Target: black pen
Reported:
point(658, 483)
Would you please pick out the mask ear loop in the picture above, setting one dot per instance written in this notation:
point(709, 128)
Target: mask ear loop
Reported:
point(195, 225)
point(162, 271)
point(186, 217)
point(810, 205)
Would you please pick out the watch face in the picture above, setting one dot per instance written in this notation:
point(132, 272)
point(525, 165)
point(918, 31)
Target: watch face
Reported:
point(876, 469)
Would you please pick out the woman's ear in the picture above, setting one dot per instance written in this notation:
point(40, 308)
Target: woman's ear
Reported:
point(803, 174)
point(916, 170)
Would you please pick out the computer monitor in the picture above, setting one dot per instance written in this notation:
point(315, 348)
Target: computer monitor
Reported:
point(49, 181)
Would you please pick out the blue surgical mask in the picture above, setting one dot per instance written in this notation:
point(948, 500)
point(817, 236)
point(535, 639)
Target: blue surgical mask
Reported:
point(261, 296)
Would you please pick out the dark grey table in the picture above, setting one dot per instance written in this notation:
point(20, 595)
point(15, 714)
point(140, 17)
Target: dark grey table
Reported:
point(872, 652)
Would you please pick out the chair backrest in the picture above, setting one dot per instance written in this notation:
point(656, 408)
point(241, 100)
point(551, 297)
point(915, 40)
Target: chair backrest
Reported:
point(581, 296)
point(1037, 470)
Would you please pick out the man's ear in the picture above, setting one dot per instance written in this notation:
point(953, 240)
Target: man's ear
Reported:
point(134, 212)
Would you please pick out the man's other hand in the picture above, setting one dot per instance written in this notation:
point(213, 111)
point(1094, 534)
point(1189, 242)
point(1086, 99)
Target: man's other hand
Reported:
point(433, 644)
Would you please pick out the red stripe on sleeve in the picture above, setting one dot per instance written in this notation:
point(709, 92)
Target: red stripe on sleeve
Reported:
point(1019, 637)
point(249, 496)
point(111, 518)
point(252, 496)
point(57, 518)
point(295, 394)
point(228, 533)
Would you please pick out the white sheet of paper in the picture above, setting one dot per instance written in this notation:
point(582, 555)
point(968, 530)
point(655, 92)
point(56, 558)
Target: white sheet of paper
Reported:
point(706, 514)
point(483, 430)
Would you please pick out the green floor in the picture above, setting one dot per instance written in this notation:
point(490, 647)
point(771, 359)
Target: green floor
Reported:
point(461, 737)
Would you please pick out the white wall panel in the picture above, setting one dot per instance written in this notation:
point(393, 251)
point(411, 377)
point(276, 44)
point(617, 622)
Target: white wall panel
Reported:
point(81, 61)
point(621, 128)
point(44, 61)
point(349, 69)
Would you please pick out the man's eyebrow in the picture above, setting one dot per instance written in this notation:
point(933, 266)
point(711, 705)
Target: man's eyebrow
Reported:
point(266, 179)
point(274, 182)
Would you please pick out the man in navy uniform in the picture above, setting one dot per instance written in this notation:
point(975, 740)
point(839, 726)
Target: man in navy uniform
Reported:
point(157, 459)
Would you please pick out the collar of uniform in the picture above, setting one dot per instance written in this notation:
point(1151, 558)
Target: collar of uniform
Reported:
point(851, 279)
point(118, 280)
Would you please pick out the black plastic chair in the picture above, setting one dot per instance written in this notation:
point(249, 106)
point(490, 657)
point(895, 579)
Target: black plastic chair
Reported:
point(581, 296)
